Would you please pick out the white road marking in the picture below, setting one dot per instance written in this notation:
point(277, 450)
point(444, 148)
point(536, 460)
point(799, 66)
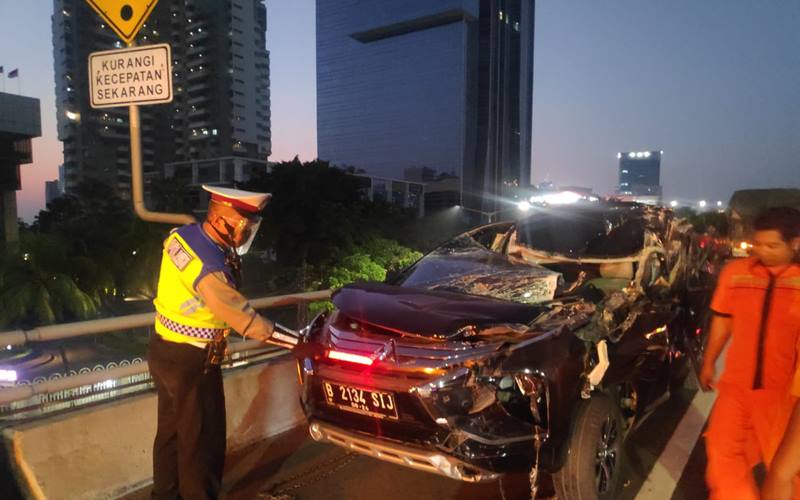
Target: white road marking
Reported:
point(667, 471)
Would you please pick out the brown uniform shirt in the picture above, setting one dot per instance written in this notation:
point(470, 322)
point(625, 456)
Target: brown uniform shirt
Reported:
point(232, 307)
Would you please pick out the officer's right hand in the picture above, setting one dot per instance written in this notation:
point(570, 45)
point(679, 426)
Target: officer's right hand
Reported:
point(707, 376)
point(260, 336)
point(260, 328)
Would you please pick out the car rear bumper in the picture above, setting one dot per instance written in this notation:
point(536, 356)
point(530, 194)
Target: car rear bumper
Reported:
point(409, 456)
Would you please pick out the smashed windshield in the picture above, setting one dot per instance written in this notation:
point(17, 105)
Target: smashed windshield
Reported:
point(464, 265)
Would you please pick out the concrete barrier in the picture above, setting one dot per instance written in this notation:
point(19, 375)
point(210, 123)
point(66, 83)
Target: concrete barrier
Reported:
point(106, 451)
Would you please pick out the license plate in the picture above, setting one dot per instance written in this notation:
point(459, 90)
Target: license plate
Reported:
point(363, 401)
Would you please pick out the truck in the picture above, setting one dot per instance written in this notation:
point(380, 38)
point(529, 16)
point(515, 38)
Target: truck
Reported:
point(745, 205)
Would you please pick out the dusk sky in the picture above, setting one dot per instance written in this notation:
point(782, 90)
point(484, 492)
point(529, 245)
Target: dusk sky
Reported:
point(715, 84)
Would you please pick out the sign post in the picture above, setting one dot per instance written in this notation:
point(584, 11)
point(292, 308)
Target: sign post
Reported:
point(132, 77)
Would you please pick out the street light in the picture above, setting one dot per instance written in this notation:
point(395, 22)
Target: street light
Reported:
point(673, 203)
point(558, 198)
point(702, 203)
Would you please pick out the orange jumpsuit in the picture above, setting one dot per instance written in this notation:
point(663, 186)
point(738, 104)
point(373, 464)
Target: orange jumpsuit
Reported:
point(754, 398)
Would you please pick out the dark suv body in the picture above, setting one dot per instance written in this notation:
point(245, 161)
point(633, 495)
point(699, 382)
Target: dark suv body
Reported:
point(506, 348)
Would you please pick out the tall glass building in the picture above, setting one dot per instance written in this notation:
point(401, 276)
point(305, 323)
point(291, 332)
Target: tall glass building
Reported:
point(640, 173)
point(444, 85)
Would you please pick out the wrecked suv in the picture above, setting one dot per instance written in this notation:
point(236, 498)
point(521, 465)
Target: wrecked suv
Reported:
point(534, 345)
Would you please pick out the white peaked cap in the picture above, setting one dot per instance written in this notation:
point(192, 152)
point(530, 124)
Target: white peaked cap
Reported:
point(244, 200)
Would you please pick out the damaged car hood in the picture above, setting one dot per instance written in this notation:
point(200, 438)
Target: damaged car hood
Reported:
point(427, 313)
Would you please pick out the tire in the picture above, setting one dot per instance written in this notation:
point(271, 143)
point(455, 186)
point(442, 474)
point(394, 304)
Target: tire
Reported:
point(593, 468)
point(696, 346)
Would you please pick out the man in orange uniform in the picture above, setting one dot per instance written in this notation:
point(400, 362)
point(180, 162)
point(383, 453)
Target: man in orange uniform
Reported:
point(757, 307)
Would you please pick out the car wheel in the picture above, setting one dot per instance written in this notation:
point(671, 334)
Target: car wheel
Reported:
point(686, 369)
point(594, 458)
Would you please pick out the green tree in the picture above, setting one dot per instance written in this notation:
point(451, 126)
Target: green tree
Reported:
point(370, 262)
point(35, 288)
point(111, 253)
point(318, 216)
point(140, 248)
point(314, 210)
point(90, 225)
point(172, 195)
point(357, 266)
point(325, 232)
point(391, 255)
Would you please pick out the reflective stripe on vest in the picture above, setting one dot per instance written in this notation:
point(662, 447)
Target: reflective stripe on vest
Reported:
point(190, 331)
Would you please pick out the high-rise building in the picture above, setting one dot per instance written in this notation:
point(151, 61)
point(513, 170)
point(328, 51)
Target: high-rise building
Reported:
point(19, 122)
point(640, 175)
point(443, 85)
point(51, 191)
point(220, 79)
point(61, 177)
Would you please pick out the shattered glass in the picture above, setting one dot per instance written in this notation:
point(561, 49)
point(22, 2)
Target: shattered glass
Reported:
point(465, 266)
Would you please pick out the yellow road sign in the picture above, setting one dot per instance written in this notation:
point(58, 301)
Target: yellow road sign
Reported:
point(126, 17)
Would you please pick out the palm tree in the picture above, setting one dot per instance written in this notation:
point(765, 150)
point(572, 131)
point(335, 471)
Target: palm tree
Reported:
point(35, 290)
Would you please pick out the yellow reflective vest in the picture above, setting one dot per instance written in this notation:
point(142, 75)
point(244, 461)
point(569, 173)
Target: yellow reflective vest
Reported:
point(181, 315)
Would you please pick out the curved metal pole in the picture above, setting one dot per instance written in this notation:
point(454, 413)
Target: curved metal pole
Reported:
point(136, 178)
point(137, 193)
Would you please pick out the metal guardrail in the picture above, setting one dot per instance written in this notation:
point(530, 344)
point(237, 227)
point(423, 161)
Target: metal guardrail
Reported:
point(79, 328)
point(70, 330)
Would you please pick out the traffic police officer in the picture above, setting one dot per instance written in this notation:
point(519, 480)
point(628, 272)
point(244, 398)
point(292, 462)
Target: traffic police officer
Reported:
point(196, 305)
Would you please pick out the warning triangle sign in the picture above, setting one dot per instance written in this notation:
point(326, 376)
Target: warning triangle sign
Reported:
point(125, 17)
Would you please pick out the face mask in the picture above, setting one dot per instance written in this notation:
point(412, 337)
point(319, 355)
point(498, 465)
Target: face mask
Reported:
point(245, 246)
point(239, 229)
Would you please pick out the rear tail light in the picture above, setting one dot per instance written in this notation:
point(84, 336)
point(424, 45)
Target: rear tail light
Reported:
point(350, 357)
